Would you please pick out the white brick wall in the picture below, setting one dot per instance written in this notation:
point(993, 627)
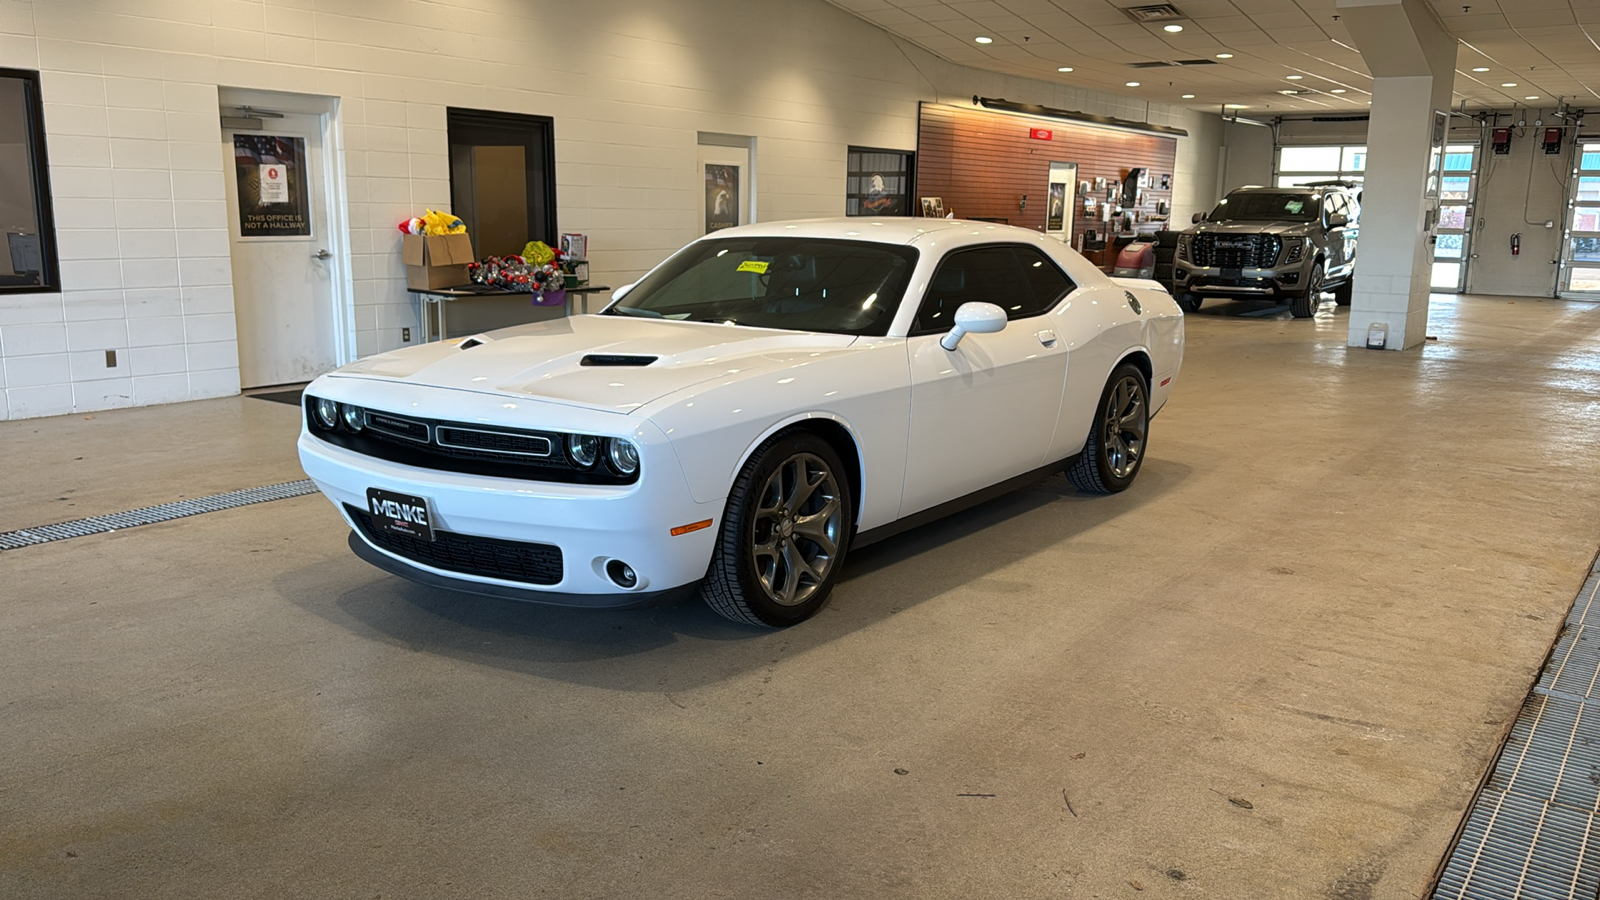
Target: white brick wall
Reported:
point(130, 89)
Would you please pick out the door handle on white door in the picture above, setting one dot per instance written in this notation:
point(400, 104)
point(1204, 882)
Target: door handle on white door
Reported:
point(1047, 338)
point(322, 254)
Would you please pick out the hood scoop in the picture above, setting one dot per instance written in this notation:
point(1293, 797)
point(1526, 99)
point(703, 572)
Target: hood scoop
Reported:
point(616, 359)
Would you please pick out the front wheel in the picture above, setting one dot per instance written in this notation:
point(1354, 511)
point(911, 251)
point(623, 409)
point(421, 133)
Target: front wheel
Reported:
point(1345, 292)
point(1188, 301)
point(783, 534)
point(1115, 449)
point(1304, 306)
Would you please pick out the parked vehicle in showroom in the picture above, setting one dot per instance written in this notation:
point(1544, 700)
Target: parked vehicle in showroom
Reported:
point(1282, 244)
point(736, 421)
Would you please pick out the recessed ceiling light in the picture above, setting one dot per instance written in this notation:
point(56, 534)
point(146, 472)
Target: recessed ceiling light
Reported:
point(1534, 97)
point(1172, 29)
point(1188, 96)
point(1064, 69)
point(1481, 69)
point(1224, 56)
point(984, 40)
point(1294, 77)
point(1235, 106)
point(1133, 84)
point(1337, 91)
point(1508, 84)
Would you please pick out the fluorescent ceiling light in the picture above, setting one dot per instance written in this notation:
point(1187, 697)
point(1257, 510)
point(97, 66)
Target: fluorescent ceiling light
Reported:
point(1235, 106)
point(1481, 69)
point(1224, 56)
point(1188, 96)
point(1294, 77)
point(1133, 84)
point(1172, 29)
point(1064, 69)
point(1508, 84)
point(984, 40)
point(1534, 97)
point(1337, 91)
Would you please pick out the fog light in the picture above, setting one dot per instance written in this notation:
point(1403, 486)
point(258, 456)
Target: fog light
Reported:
point(355, 418)
point(624, 456)
point(621, 573)
point(584, 449)
point(1181, 275)
point(326, 412)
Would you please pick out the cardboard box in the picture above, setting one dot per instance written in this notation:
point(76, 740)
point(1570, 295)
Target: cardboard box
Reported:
point(436, 260)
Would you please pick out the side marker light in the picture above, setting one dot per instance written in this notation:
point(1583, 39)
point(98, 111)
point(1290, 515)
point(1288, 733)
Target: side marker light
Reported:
point(696, 526)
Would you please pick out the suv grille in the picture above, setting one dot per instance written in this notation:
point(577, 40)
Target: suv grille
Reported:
point(1236, 251)
point(488, 557)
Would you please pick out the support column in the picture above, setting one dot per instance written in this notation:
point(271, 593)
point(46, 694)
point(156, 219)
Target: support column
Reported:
point(1412, 60)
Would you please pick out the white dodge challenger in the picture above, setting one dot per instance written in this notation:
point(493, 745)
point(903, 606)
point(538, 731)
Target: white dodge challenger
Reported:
point(736, 421)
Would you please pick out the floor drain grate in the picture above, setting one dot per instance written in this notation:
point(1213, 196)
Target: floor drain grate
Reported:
point(11, 540)
point(1534, 829)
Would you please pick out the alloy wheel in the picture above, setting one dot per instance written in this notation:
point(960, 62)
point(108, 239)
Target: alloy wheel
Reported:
point(1126, 423)
point(796, 529)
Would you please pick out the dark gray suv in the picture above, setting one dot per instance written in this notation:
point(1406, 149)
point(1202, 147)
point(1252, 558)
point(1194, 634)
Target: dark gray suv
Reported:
point(1282, 244)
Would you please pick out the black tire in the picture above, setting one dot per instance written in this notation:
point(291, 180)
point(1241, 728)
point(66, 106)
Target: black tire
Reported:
point(1345, 292)
point(753, 577)
point(1189, 302)
point(1304, 305)
point(1115, 449)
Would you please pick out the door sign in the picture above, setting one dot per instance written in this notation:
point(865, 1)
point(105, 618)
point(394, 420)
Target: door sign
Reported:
point(272, 185)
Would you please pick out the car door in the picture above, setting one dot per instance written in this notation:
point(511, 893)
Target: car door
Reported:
point(985, 411)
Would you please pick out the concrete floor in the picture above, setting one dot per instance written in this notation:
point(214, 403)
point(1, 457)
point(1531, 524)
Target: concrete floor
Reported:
point(1277, 667)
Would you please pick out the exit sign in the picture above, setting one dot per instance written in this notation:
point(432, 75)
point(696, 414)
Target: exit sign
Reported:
point(1040, 134)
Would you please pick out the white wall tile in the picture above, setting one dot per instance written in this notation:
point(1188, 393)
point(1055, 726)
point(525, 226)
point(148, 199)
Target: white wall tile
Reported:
point(198, 185)
point(90, 365)
point(81, 212)
point(86, 243)
point(202, 300)
point(91, 274)
point(137, 123)
point(202, 271)
point(156, 331)
point(210, 327)
point(150, 273)
point(141, 184)
point(35, 402)
point(153, 303)
point(213, 355)
point(103, 334)
point(153, 389)
point(195, 155)
point(202, 242)
point(167, 360)
point(144, 214)
point(134, 93)
point(202, 213)
point(30, 309)
point(70, 182)
point(37, 371)
point(78, 150)
point(128, 153)
point(89, 306)
point(147, 244)
point(214, 383)
point(103, 393)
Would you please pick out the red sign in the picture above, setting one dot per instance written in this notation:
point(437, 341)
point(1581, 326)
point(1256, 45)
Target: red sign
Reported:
point(1039, 134)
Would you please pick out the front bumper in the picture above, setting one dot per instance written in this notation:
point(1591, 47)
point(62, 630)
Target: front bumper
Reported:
point(589, 524)
point(1276, 282)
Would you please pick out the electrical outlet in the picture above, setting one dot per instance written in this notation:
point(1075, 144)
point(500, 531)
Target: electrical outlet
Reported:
point(405, 335)
point(111, 359)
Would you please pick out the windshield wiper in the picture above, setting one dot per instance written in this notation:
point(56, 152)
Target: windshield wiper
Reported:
point(719, 320)
point(634, 311)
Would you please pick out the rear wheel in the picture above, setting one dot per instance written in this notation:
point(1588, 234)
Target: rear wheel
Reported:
point(1344, 292)
point(1189, 302)
point(783, 534)
point(1115, 449)
point(1304, 306)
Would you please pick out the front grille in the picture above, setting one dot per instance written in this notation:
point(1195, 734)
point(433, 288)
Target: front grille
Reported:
point(469, 555)
point(493, 443)
point(1236, 251)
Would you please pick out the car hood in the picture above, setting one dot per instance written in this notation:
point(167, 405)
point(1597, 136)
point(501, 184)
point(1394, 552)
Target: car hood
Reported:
point(1252, 226)
point(574, 361)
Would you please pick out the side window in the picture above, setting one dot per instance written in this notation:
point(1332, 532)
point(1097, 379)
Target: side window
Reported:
point(1354, 207)
point(1020, 280)
point(1336, 205)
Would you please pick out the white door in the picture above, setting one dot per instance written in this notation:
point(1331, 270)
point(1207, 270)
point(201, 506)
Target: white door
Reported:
point(283, 287)
point(987, 410)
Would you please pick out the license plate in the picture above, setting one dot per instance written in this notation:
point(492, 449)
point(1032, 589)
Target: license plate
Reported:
point(400, 514)
point(1233, 274)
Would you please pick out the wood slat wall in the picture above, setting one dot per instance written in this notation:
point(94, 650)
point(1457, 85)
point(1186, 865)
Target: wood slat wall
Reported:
point(982, 162)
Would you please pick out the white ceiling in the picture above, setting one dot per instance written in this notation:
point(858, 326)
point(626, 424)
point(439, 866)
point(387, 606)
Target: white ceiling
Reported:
point(1547, 48)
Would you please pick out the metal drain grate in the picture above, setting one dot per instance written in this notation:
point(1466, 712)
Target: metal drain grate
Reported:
point(11, 540)
point(1534, 829)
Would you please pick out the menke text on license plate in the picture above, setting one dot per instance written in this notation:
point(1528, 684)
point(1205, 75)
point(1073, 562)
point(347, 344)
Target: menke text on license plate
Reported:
point(400, 514)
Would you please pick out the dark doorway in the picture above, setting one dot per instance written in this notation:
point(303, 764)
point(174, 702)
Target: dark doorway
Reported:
point(503, 179)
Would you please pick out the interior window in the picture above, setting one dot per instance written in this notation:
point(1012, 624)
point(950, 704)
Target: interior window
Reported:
point(27, 248)
point(1020, 280)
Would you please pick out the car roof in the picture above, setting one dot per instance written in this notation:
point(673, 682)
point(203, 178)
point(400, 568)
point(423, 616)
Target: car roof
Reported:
point(1308, 189)
point(884, 230)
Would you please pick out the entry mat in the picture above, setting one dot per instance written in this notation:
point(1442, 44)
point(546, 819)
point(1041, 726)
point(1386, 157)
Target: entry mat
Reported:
point(12, 540)
point(290, 397)
point(1534, 829)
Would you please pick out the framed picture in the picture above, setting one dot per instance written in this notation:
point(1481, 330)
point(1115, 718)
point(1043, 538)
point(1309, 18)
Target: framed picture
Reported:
point(1099, 184)
point(722, 197)
point(933, 207)
point(1166, 182)
point(1056, 212)
point(878, 182)
point(272, 185)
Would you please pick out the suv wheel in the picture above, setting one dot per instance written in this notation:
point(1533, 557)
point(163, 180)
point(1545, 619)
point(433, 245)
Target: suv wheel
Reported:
point(1343, 293)
point(1188, 302)
point(1304, 306)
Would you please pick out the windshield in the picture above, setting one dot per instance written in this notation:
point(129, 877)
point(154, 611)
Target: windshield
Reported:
point(800, 284)
point(1248, 205)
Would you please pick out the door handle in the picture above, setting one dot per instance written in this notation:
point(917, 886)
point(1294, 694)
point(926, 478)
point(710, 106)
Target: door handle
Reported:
point(1047, 338)
point(322, 254)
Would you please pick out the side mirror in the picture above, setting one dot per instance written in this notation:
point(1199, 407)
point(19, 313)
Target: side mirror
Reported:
point(621, 292)
point(1338, 220)
point(1197, 218)
point(974, 318)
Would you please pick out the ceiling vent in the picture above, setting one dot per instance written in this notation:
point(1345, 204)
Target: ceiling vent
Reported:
point(1160, 12)
point(1197, 62)
point(1162, 64)
point(1153, 64)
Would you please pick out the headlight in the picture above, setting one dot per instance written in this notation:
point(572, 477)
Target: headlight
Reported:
point(326, 413)
point(355, 418)
point(584, 449)
point(624, 456)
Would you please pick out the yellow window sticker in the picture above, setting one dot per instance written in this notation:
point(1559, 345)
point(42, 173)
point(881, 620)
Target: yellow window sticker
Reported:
point(752, 265)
